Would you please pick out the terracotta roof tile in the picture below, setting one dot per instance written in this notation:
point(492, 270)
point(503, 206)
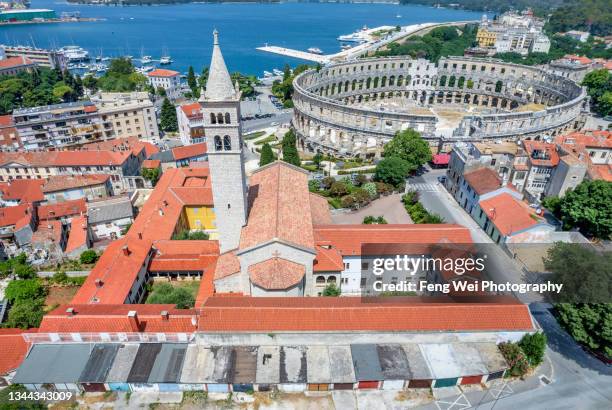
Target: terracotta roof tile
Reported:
point(192, 111)
point(189, 151)
point(483, 180)
point(280, 207)
point(348, 239)
point(328, 259)
point(62, 209)
point(508, 214)
point(13, 348)
point(11, 215)
point(227, 264)
point(541, 153)
point(151, 163)
point(64, 182)
point(48, 231)
point(276, 274)
point(269, 314)
point(77, 237)
point(24, 190)
point(160, 72)
point(11, 62)
point(319, 210)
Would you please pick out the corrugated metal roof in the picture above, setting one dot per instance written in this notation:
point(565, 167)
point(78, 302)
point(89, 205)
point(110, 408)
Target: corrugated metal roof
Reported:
point(143, 363)
point(53, 363)
point(393, 362)
point(245, 364)
point(169, 362)
point(124, 359)
point(365, 361)
point(99, 364)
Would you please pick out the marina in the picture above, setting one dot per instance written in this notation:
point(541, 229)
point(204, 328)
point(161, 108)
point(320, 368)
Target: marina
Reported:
point(143, 31)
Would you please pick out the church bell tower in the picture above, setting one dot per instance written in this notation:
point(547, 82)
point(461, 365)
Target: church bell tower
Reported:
point(221, 117)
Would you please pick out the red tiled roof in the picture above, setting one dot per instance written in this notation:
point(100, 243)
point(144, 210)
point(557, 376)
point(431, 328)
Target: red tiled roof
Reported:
point(280, 207)
point(276, 274)
point(483, 180)
point(192, 111)
point(77, 237)
point(15, 215)
point(189, 151)
point(270, 314)
point(13, 348)
point(441, 159)
point(328, 259)
point(62, 209)
point(64, 158)
point(11, 62)
point(319, 210)
point(348, 239)
point(594, 139)
point(48, 231)
point(24, 190)
point(541, 153)
point(184, 256)
point(603, 172)
point(151, 163)
point(123, 144)
point(160, 72)
point(64, 182)
point(113, 318)
point(580, 59)
point(508, 214)
point(6, 120)
point(227, 265)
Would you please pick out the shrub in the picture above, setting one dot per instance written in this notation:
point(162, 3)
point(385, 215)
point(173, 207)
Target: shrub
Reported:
point(339, 188)
point(517, 361)
point(392, 171)
point(362, 197)
point(383, 189)
point(370, 188)
point(23, 290)
point(314, 185)
point(165, 293)
point(534, 347)
point(25, 314)
point(186, 235)
point(25, 272)
point(347, 201)
point(327, 182)
point(88, 257)
point(379, 220)
point(331, 290)
point(59, 277)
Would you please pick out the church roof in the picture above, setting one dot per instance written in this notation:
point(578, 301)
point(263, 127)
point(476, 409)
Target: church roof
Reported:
point(219, 86)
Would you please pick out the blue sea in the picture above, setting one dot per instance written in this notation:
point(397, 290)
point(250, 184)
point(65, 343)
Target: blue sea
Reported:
point(185, 31)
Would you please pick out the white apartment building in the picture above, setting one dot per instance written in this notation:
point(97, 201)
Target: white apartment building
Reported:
point(169, 80)
point(190, 124)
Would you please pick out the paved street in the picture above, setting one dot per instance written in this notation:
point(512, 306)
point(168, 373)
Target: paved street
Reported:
point(390, 206)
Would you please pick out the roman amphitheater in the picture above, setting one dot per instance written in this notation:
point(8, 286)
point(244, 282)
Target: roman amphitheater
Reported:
point(354, 108)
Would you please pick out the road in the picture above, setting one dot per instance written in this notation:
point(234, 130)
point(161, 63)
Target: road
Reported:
point(434, 197)
point(257, 124)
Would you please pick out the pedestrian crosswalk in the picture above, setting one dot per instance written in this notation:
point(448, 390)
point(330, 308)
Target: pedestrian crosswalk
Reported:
point(423, 186)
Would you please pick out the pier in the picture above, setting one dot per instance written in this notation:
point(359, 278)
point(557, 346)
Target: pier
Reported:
point(363, 48)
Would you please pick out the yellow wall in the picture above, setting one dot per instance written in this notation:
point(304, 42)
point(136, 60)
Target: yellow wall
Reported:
point(485, 38)
point(200, 217)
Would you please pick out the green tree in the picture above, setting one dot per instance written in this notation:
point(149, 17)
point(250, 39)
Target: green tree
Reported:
point(88, 257)
point(165, 293)
point(91, 83)
point(26, 314)
point(409, 146)
point(588, 324)
point(313, 186)
point(289, 149)
point(599, 88)
point(192, 82)
point(28, 289)
point(267, 156)
point(331, 290)
point(186, 235)
point(7, 403)
point(391, 170)
point(24, 271)
point(168, 121)
point(151, 174)
point(589, 208)
point(317, 160)
point(534, 346)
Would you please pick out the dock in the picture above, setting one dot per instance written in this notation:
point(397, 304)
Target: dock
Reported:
point(363, 48)
point(302, 55)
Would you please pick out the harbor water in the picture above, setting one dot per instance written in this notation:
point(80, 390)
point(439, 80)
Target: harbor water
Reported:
point(183, 31)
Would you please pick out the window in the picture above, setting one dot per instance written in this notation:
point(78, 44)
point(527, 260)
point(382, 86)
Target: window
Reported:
point(365, 265)
point(213, 119)
point(220, 118)
point(320, 280)
point(218, 145)
point(346, 265)
point(227, 118)
point(227, 143)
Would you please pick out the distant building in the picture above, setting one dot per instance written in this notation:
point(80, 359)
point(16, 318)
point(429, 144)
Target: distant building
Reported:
point(542, 158)
point(571, 66)
point(190, 124)
point(49, 240)
point(182, 156)
point(169, 80)
point(40, 57)
point(581, 36)
point(9, 138)
point(513, 32)
point(59, 125)
point(127, 115)
point(15, 15)
point(15, 65)
point(593, 148)
point(71, 187)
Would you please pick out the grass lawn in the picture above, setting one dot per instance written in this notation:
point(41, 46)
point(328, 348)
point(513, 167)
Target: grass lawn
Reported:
point(180, 288)
point(254, 135)
point(268, 139)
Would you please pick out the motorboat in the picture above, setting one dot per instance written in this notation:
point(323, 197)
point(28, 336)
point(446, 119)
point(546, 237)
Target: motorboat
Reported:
point(74, 53)
point(315, 50)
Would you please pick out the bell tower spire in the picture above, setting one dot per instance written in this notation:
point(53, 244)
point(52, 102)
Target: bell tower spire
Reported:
point(223, 131)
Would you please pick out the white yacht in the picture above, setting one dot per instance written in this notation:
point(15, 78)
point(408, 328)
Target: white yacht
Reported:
point(276, 71)
point(267, 74)
point(164, 60)
point(146, 59)
point(356, 37)
point(315, 50)
point(74, 53)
